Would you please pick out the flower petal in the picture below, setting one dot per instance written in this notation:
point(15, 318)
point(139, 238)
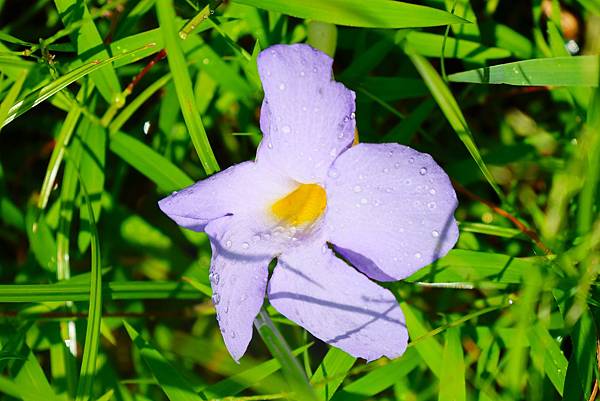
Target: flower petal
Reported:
point(337, 304)
point(390, 210)
point(307, 118)
point(244, 187)
point(238, 294)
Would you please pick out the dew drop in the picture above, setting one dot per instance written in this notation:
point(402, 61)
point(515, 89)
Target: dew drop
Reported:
point(431, 205)
point(352, 115)
point(173, 193)
point(376, 202)
point(267, 236)
point(304, 108)
point(228, 244)
point(357, 188)
point(214, 278)
point(386, 170)
point(216, 298)
point(315, 69)
point(302, 73)
point(324, 249)
point(286, 129)
point(389, 190)
point(245, 245)
point(333, 172)
point(423, 171)
point(397, 165)
point(411, 160)
point(418, 255)
point(435, 233)
point(282, 86)
point(255, 238)
point(333, 152)
point(232, 334)
point(270, 145)
point(432, 191)
point(364, 201)
point(408, 181)
point(341, 135)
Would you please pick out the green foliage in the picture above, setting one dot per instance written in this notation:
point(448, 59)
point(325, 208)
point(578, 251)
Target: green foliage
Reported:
point(106, 106)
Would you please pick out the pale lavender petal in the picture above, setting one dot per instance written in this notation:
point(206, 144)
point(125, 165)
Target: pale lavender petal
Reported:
point(238, 286)
point(307, 119)
point(337, 304)
point(390, 210)
point(243, 188)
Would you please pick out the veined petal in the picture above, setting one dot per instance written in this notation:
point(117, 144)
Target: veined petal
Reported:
point(390, 210)
point(238, 293)
point(307, 119)
point(243, 188)
point(337, 304)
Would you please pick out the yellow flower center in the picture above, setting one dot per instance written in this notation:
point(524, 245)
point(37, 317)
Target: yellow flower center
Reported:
point(301, 206)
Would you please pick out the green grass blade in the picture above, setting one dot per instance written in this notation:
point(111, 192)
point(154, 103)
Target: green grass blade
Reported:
point(9, 387)
point(136, 103)
point(175, 386)
point(551, 71)
point(92, 333)
point(36, 97)
point(58, 153)
point(379, 379)
point(555, 363)
point(80, 292)
point(147, 161)
point(429, 349)
point(289, 364)
point(12, 95)
point(452, 380)
point(451, 110)
point(331, 372)
point(367, 14)
point(430, 45)
point(183, 86)
point(87, 38)
point(240, 381)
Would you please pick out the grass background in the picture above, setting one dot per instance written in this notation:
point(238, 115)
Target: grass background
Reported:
point(102, 297)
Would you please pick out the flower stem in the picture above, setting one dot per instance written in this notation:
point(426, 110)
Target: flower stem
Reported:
point(290, 366)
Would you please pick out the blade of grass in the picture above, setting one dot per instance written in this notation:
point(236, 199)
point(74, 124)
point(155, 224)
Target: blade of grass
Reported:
point(183, 86)
point(551, 71)
point(451, 110)
point(371, 14)
point(452, 380)
point(12, 95)
point(92, 333)
point(36, 97)
point(289, 364)
point(174, 385)
point(331, 373)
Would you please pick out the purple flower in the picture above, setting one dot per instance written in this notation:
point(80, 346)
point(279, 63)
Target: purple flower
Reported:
point(333, 215)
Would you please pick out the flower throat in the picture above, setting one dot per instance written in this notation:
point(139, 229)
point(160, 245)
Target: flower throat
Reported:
point(302, 206)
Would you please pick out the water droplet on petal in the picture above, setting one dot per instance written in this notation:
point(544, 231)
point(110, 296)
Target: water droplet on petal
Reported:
point(245, 245)
point(267, 236)
point(418, 255)
point(315, 69)
point(386, 170)
point(357, 188)
point(214, 278)
point(389, 190)
point(376, 202)
point(173, 193)
point(282, 86)
point(228, 244)
point(216, 298)
point(333, 152)
point(333, 172)
point(364, 201)
point(286, 129)
point(435, 233)
point(411, 160)
point(431, 205)
point(423, 171)
point(270, 145)
point(353, 115)
point(324, 249)
point(397, 165)
point(341, 135)
point(302, 73)
point(408, 181)
point(304, 108)
point(232, 334)
point(432, 191)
